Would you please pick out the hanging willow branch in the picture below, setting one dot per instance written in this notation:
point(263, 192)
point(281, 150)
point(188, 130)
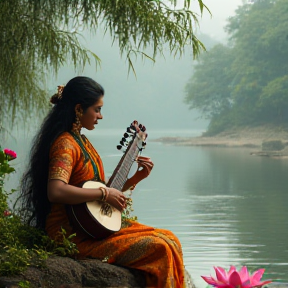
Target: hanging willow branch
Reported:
point(37, 36)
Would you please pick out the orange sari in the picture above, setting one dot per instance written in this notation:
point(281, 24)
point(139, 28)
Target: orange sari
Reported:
point(155, 251)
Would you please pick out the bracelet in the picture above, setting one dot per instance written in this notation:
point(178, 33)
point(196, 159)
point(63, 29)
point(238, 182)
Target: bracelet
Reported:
point(107, 193)
point(104, 193)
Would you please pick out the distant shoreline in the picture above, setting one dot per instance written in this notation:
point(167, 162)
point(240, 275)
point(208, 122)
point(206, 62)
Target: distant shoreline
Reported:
point(210, 141)
point(241, 138)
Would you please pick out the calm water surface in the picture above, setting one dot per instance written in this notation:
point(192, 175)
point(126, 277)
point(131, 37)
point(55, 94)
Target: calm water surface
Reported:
point(226, 207)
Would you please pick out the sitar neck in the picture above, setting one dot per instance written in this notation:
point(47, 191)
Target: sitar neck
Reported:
point(120, 174)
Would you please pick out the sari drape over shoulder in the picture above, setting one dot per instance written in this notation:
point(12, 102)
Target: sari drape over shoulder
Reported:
point(157, 252)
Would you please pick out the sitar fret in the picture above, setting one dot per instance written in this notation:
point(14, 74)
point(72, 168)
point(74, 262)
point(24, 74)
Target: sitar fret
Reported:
point(121, 172)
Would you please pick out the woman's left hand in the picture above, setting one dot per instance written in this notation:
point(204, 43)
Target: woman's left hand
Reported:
point(145, 166)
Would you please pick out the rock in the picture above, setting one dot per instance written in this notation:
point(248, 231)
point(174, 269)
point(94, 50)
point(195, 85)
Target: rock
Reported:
point(272, 145)
point(274, 154)
point(63, 272)
point(188, 280)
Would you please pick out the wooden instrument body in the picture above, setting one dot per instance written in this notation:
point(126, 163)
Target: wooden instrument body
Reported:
point(88, 216)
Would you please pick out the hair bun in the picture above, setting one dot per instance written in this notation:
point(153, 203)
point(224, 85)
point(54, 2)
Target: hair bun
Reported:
point(54, 99)
point(57, 96)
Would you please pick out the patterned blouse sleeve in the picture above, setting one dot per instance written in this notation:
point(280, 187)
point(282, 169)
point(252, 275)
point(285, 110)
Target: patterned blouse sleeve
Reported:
point(61, 163)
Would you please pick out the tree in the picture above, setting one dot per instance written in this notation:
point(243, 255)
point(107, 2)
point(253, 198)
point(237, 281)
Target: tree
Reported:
point(208, 89)
point(260, 47)
point(274, 100)
point(38, 36)
point(253, 79)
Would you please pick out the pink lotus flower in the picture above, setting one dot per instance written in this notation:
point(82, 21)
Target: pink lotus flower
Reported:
point(10, 153)
point(234, 279)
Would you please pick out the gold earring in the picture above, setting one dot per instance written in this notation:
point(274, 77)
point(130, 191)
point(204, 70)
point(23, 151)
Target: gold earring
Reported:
point(76, 127)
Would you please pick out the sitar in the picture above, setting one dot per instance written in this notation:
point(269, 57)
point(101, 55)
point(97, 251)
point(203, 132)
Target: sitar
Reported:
point(98, 219)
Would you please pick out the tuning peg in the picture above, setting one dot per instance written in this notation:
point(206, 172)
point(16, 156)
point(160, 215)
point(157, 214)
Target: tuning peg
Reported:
point(140, 126)
point(143, 143)
point(120, 147)
point(143, 128)
point(123, 139)
point(132, 127)
point(134, 123)
point(126, 135)
point(131, 130)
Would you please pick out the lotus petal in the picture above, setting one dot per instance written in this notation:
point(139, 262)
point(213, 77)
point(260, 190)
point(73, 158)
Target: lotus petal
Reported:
point(221, 274)
point(257, 275)
point(232, 269)
point(235, 279)
point(244, 274)
point(225, 285)
point(210, 280)
point(215, 283)
point(264, 283)
point(246, 284)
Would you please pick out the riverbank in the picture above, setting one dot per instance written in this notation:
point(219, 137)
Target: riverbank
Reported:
point(244, 137)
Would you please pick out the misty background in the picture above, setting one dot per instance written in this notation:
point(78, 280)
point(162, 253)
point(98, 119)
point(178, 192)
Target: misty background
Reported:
point(155, 97)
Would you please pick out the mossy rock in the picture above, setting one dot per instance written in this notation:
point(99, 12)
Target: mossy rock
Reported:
point(64, 272)
point(272, 145)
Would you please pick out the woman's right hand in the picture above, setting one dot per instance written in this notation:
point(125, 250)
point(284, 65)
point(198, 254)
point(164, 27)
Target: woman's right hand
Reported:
point(116, 198)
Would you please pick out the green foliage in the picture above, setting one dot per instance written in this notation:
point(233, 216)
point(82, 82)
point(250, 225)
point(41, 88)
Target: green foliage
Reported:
point(219, 123)
point(24, 284)
point(37, 37)
point(5, 168)
point(205, 90)
point(13, 259)
point(21, 245)
point(245, 82)
point(127, 213)
point(62, 245)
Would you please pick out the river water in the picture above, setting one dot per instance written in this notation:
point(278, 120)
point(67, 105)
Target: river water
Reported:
point(226, 206)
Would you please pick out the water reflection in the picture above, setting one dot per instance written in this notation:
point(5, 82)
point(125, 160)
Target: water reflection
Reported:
point(248, 197)
point(226, 206)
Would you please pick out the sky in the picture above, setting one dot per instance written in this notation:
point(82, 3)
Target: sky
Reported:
point(221, 10)
point(156, 97)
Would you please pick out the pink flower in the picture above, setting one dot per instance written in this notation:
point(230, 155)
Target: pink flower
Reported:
point(234, 279)
point(10, 153)
point(7, 213)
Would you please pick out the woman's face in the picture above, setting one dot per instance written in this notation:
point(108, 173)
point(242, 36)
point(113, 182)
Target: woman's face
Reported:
point(91, 116)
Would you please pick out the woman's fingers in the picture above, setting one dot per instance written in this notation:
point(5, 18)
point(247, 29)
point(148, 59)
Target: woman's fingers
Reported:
point(116, 199)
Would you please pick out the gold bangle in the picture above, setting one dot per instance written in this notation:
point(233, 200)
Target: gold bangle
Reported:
point(103, 190)
point(107, 193)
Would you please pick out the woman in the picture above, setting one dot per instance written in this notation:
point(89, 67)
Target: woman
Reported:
point(58, 167)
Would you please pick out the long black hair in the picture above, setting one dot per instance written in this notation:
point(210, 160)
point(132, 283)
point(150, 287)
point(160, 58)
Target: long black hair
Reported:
point(34, 200)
